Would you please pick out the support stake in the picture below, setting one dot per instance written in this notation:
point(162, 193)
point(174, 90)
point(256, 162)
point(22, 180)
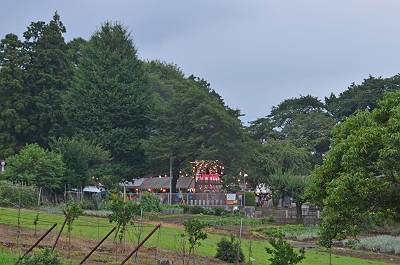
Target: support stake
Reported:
point(141, 244)
point(98, 245)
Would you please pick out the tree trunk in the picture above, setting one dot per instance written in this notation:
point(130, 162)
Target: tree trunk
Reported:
point(299, 213)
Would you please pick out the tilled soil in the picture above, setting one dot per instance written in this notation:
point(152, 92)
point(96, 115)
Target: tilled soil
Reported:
point(105, 254)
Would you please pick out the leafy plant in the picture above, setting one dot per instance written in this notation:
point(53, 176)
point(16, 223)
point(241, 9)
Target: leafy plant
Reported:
point(150, 203)
point(195, 234)
point(122, 214)
point(72, 211)
point(229, 250)
point(42, 257)
point(282, 253)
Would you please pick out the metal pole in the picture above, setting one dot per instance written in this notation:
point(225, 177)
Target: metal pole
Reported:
point(141, 244)
point(170, 181)
point(37, 242)
point(98, 245)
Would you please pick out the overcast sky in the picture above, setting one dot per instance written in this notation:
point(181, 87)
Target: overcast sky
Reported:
point(254, 53)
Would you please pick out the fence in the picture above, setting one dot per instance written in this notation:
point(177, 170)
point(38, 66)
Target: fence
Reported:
point(200, 199)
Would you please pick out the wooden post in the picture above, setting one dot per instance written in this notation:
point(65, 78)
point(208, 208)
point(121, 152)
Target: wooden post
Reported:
point(141, 244)
point(98, 245)
point(59, 234)
point(37, 242)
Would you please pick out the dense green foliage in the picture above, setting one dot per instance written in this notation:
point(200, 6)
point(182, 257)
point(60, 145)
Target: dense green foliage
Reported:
point(283, 253)
point(364, 96)
point(358, 182)
point(230, 250)
point(36, 166)
point(12, 195)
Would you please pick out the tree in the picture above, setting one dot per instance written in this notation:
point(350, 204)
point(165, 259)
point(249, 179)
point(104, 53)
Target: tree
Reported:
point(109, 101)
point(283, 253)
point(361, 97)
point(82, 158)
point(359, 180)
point(15, 97)
point(280, 155)
point(48, 75)
point(122, 214)
point(192, 123)
point(36, 166)
point(289, 184)
point(72, 211)
point(195, 234)
point(304, 121)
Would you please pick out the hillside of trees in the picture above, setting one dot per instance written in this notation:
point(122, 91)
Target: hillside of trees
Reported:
point(72, 111)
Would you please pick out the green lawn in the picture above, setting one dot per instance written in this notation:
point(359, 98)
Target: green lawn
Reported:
point(6, 257)
point(95, 228)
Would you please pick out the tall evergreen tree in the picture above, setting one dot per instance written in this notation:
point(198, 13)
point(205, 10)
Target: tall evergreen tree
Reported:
point(109, 101)
point(48, 74)
point(14, 97)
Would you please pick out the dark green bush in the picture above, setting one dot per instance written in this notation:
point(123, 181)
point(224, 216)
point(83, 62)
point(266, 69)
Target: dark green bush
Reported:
point(12, 194)
point(42, 257)
point(229, 250)
point(250, 199)
point(150, 203)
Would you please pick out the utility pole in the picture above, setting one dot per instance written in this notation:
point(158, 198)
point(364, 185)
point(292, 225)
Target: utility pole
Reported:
point(170, 180)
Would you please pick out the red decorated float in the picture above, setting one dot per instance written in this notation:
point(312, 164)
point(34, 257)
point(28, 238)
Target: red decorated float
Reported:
point(208, 175)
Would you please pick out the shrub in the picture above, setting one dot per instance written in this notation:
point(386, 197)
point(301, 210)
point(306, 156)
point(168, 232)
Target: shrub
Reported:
point(282, 253)
point(228, 250)
point(150, 203)
point(12, 194)
point(250, 199)
point(42, 257)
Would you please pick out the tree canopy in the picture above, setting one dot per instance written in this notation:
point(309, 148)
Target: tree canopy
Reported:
point(359, 179)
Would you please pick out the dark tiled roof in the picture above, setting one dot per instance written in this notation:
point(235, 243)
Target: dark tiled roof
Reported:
point(161, 183)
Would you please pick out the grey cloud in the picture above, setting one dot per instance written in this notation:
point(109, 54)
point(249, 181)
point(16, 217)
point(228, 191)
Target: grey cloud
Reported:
point(254, 53)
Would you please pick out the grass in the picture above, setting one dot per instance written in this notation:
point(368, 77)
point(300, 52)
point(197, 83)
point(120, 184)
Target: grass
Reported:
point(6, 257)
point(95, 228)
